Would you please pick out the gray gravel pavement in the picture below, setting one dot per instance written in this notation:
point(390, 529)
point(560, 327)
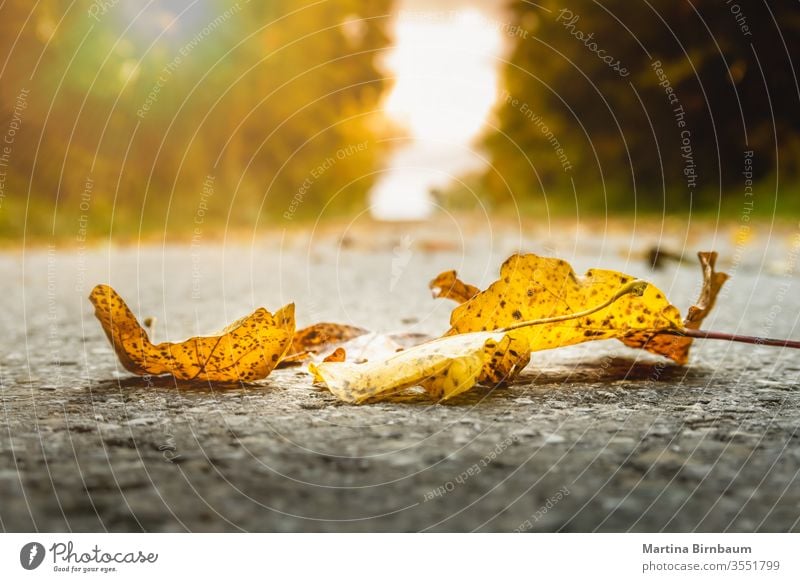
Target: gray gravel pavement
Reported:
point(595, 437)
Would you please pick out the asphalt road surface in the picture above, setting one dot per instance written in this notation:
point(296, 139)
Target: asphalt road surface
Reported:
point(597, 437)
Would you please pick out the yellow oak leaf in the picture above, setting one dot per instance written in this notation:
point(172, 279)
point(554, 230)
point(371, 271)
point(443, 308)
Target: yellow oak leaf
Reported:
point(247, 350)
point(532, 287)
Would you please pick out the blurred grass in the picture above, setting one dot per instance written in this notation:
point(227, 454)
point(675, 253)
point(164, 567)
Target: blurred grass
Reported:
point(769, 202)
point(38, 224)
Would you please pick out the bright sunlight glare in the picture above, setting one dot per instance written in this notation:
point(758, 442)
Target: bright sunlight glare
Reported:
point(445, 78)
point(444, 65)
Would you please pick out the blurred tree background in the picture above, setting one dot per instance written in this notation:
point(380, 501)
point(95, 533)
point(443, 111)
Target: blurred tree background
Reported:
point(585, 79)
point(167, 115)
point(157, 118)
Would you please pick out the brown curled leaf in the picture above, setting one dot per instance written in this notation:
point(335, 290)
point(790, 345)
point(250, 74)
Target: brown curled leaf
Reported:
point(319, 337)
point(247, 350)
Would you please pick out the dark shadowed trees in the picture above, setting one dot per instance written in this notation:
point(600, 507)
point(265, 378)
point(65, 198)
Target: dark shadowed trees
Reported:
point(648, 104)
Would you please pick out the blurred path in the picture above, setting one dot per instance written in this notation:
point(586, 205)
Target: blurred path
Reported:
point(590, 438)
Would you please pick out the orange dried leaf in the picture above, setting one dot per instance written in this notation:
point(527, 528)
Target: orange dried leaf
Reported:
point(447, 285)
point(247, 350)
point(338, 355)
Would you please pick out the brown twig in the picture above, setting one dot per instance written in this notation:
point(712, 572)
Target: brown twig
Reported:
point(732, 337)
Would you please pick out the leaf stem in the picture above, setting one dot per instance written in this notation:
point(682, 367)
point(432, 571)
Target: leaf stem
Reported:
point(635, 287)
point(732, 337)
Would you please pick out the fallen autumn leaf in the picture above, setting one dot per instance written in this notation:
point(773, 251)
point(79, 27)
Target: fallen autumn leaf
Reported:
point(247, 350)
